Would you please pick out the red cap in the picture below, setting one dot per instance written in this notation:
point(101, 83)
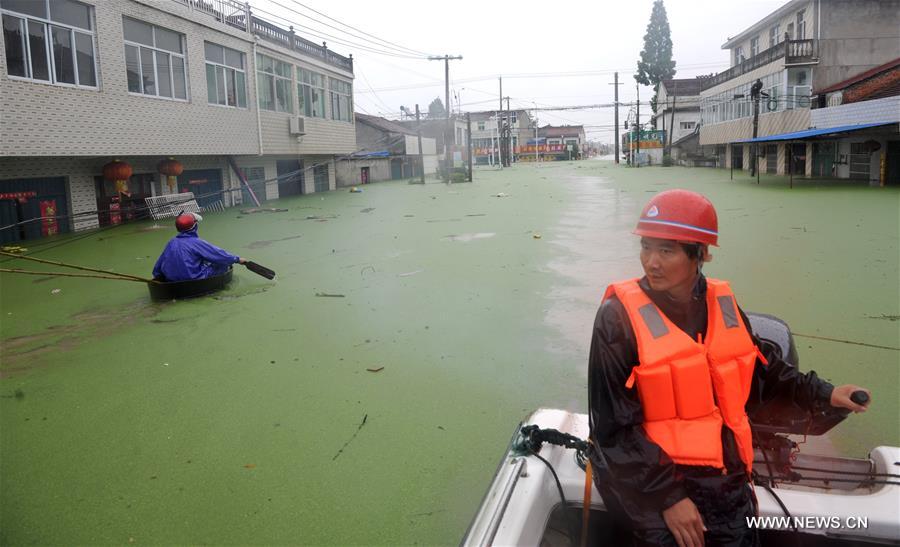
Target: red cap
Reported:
point(681, 215)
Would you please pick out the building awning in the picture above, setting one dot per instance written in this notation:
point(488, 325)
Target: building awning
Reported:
point(810, 133)
point(380, 154)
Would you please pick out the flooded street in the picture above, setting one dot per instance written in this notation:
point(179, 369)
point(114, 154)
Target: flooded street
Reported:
point(366, 395)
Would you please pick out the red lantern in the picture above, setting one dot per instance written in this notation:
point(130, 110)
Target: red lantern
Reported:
point(171, 168)
point(119, 172)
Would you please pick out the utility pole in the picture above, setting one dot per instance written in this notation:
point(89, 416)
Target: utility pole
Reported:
point(509, 148)
point(616, 85)
point(469, 141)
point(419, 136)
point(447, 129)
point(755, 90)
point(637, 157)
point(500, 127)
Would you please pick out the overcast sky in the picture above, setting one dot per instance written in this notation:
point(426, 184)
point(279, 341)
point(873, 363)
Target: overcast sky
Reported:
point(512, 39)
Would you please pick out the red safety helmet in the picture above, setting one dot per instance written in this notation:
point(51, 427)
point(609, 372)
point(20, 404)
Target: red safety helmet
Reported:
point(186, 221)
point(681, 215)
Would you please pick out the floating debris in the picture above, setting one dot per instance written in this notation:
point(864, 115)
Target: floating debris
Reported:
point(249, 466)
point(263, 210)
point(356, 190)
point(501, 195)
point(367, 210)
point(407, 274)
point(327, 295)
point(339, 452)
point(56, 291)
point(375, 369)
point(536, 235)
point(13, 249)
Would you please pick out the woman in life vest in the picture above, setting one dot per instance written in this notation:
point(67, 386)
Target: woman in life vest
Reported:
point(673, 369)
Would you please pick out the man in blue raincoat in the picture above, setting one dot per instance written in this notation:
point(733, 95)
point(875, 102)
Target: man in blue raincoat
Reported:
point(186, 256)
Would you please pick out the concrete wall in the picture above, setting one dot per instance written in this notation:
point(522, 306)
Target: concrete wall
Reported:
point(875, 111)
point(771, 123)
point(347, 171)
point(856, 35)
point(789, 16)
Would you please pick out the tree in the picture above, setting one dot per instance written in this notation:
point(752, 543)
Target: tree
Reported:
point(656, 62)
point(436, 109)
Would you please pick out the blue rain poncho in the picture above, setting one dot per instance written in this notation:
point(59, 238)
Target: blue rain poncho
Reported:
point(186, 256)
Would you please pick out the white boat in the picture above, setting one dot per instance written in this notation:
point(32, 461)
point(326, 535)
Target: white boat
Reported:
point(817, 500)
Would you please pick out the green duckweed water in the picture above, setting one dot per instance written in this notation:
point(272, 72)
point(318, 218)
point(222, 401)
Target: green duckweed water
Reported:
point(236, 419)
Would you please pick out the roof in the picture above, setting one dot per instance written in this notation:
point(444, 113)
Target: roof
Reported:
point(860, 77)
point(764, 22)
point(689, 136)
point(383, 124)
point(809, 133)
point(682, 86)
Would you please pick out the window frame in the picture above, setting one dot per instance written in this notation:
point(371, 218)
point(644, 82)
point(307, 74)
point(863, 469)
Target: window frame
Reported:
point(335, 94)
point(155, 50)
point(754, 46)
point(273, 77)
point(224, 82)
point(774, 35)
point(320, 89)
point(47, 24)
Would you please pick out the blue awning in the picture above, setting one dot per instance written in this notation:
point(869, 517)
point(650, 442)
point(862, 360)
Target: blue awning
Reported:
point(380, 154)
point(801, 135)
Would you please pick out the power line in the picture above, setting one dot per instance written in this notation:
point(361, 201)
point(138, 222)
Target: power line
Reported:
point(388, 42)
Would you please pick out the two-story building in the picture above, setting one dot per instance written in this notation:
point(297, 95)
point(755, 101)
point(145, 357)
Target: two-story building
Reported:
point(87, 86)
point(486, 133)
point(386, 150)
point(561, 142)
point(804, 45)
point(678, 116)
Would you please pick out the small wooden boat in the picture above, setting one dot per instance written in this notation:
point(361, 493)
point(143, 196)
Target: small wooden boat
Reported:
point(176, 290)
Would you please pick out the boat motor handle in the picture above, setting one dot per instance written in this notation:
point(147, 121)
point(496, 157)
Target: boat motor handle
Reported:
point(860, 397)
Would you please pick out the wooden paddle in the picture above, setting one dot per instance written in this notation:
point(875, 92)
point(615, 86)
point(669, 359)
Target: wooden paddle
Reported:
point(261, 270)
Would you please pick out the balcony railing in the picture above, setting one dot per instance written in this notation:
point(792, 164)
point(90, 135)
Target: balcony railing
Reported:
point(794, 52)
point(234, 14)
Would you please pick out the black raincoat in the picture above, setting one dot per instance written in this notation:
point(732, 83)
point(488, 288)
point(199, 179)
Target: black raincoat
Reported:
point(642, 480)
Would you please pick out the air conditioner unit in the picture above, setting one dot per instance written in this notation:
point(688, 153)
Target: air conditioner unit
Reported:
point(296, 126)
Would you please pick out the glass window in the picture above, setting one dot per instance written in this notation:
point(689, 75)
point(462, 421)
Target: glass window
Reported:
point(225, 79)
point(71, 13)
point(26, 7)
point(481, 126)
point(133, 69)
point(14, 42)
point(274, 79)
point(136, 31)
point(754, 46)
point(341, 100)
point(64, 32)
point(774, 35)
point(311, 89)
point(37, 44)
point(159, 69)
point(63, 60)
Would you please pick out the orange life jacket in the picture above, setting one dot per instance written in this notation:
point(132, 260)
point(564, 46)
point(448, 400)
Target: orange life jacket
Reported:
point(689, 388)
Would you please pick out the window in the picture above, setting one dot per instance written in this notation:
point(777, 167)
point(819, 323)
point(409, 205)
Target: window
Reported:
point(754, 46)
point(790, 31)
point(273, 78)
point(50, 41)
point(341, 100)
point(481, 126)
point(311, 89)
point(688, 125)
point(154, 60)
point(801, 25)
point(738, 55)
point(513, 118)
point(226, 78)
point(774, 35)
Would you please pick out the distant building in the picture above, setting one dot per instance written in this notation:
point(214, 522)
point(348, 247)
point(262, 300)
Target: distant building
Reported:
point(386, 150)
point(802, 47)
point(678, 115)
point(485, 133)
point(562, 141)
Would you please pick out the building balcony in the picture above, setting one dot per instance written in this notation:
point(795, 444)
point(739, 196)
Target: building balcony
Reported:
point(794, 52)
point(236, 14)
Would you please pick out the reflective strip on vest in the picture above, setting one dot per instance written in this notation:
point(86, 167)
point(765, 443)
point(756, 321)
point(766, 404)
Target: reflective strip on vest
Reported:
point(653, 320)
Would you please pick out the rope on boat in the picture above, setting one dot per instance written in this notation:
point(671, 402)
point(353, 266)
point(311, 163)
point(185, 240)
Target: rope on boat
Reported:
point(73, 266)
point(67, 274)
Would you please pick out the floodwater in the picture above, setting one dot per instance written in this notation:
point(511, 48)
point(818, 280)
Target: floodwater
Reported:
point(366, 395)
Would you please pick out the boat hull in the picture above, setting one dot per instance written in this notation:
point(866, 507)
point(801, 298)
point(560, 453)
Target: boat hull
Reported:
point(177, 290)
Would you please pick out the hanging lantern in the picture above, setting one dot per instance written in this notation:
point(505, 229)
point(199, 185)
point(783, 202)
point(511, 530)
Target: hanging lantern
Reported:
point(118, 172)
point(171, 168)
